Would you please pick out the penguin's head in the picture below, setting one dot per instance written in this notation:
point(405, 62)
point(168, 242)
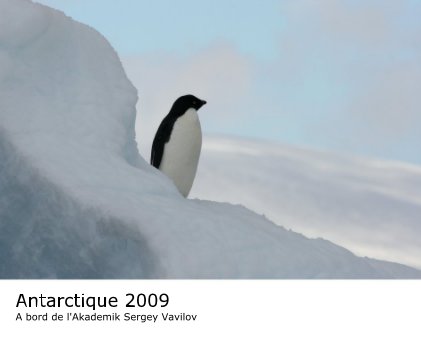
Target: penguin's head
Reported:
point(185, 102)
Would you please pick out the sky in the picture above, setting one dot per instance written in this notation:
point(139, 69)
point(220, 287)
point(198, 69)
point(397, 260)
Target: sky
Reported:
point(342, 76)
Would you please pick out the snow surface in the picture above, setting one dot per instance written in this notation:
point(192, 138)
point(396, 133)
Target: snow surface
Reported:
point(78, 201)
point(371, 207)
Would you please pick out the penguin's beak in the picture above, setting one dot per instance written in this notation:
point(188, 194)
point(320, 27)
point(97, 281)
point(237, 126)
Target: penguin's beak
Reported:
point(203, 102)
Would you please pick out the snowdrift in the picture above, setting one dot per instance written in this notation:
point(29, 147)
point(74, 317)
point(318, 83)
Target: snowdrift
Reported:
point(78, 201)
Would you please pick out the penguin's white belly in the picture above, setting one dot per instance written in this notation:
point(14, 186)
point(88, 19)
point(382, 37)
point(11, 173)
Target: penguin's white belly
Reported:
point(182, 151)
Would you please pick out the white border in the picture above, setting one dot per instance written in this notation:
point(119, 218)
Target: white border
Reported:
point(234, 318)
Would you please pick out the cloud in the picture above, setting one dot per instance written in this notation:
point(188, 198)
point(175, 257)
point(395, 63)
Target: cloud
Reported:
point(368, 206)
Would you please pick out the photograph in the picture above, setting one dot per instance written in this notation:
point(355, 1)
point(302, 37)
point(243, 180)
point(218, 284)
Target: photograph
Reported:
point(210, 140)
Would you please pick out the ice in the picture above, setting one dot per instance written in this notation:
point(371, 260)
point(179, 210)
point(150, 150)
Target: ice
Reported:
point(78, 201)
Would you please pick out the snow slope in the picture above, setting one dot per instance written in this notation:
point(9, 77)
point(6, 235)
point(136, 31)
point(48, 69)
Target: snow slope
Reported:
point(78, 201)
point(372, 207)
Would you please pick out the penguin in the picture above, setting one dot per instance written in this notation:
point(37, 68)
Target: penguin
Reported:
point(178, 142)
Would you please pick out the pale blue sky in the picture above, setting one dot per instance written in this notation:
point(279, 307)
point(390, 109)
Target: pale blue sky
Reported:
point(339, 75)
point(183, 25)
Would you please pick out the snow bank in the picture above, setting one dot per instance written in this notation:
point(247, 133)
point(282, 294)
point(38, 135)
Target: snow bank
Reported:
point(78, 201)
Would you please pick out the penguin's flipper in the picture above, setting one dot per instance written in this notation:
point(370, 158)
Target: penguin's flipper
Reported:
point(161, 138)
point(156, 154)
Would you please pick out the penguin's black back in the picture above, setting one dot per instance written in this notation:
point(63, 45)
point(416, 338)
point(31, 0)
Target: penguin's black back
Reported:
point(180, 106)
